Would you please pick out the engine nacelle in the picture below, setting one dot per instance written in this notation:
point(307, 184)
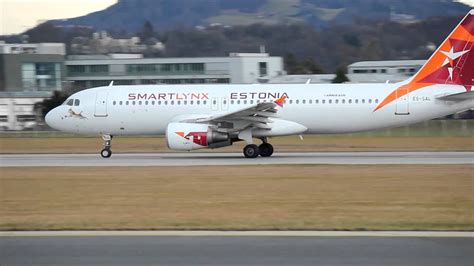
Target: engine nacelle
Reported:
point(193, 136)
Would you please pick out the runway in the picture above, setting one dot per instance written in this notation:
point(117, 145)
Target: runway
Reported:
point(235, 250)
point(213, 159)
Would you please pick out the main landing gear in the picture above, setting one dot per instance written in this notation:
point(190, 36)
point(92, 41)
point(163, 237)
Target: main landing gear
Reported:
point(253, 151)
point(106, 152)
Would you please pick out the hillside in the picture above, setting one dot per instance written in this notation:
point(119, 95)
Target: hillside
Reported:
point(129, 15)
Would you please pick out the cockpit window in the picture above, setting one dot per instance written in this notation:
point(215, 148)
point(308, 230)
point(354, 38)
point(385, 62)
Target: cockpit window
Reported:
point(77, 102)
point(70, 102)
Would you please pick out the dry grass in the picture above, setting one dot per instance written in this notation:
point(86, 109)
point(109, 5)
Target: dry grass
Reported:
point(310, 143)
point(434, 197)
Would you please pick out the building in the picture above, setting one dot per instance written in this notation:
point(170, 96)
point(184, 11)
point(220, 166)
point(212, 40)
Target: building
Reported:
point(85, 71)
point(303, 78)
point(17, 110)
point(32, 67)
point(29, 73)
point(383, 71)
point(103, 43)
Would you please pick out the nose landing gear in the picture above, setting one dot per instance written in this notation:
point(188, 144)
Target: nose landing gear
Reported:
point(106, 152)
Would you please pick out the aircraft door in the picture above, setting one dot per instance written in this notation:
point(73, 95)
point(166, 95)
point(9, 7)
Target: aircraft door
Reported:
point(101, 104)
point(402, 103)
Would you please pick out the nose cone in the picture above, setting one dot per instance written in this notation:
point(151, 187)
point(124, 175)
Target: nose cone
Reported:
point(52, 118)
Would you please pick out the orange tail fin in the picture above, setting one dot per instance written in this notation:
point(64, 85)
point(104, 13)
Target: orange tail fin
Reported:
point(452, 63)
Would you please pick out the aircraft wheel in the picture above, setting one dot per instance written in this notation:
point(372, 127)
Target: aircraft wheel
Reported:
point(106, 153)
point(265, 150)
point(251, 151)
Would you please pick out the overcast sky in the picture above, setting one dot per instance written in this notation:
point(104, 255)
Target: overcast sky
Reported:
point(19, 15)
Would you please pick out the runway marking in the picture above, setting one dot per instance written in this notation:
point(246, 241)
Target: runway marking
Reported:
point(437, 234)
point(212, 159)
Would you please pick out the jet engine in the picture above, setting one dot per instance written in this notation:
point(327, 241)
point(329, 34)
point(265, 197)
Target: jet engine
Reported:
point(193, 136)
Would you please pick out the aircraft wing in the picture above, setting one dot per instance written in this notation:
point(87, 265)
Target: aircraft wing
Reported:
point(257, 115)
point(468, 95)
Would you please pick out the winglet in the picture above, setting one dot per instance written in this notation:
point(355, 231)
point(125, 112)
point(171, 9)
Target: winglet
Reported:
point(280, 100)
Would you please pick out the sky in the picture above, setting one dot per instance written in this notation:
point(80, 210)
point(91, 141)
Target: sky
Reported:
point(17, 16)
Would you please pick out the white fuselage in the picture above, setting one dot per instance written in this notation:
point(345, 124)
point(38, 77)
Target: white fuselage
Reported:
point(322, 109)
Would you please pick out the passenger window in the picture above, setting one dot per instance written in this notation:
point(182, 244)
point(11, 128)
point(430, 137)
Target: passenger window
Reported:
point(297, 101)
point(350, 101)
point(114, 102)
point(376, 100)
point(126, 103)
point(330, 101)
point(323, 101)
point(370, 100)
point(336, 101)
point(76, 102)
point(120, 102)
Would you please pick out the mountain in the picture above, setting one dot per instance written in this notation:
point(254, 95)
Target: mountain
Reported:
point(130, 15)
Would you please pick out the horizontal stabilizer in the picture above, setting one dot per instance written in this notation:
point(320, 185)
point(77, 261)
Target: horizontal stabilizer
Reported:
point(468, 95)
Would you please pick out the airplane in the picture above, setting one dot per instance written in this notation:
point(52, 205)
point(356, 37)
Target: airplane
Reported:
point(194, 117)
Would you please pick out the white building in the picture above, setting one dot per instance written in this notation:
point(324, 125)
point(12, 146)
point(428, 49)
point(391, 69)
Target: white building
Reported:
point(86, 71)
point(383, 71)
point(17, 111)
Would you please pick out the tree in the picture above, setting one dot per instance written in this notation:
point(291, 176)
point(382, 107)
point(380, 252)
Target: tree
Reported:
point(147, 31)
point(56, 100)
point(291, 64)
point(311, 67)
point(340, 76)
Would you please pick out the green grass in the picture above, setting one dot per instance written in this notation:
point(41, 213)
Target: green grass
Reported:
point(310, 197)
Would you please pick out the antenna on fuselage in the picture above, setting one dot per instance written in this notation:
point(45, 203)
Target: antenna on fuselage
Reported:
point(308, 81)
point(111, 83)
